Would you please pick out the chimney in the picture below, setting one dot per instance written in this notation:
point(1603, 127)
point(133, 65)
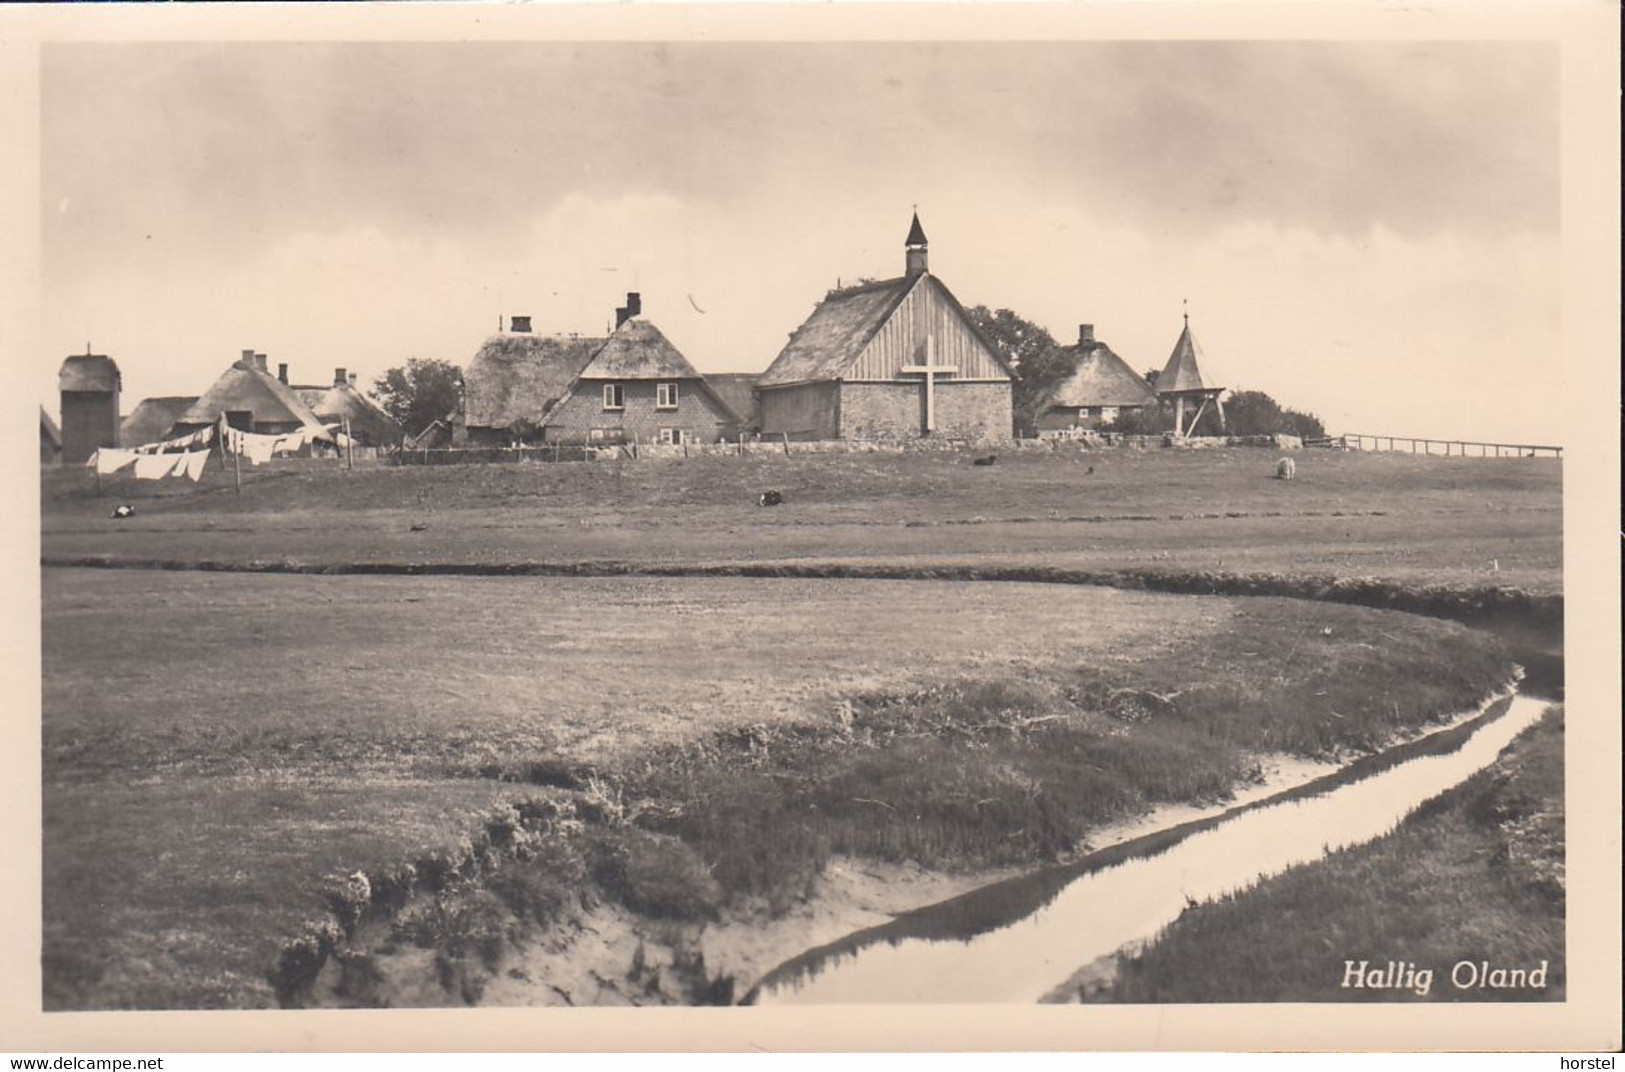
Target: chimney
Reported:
point(259, 363)
point(352, 379)
point(247, 358)
point(282, 371)
point(520, 324)
point(339, 379)
point(1086, 334)
point(633, 307)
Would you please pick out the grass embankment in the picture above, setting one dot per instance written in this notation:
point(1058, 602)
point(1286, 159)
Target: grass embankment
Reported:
point(1475, 875)
point(222, 746)
point(1410, 520)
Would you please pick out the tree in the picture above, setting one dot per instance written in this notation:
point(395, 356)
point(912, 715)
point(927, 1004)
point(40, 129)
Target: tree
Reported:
point(420, 392)
point(1029, 350)
point(1256, 413)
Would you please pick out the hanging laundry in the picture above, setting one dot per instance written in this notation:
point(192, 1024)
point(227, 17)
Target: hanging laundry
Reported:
point(193, 463)
point(185, 442)
point(107, 460)
point(290, 443)
point(155, 466)
point(257, 448)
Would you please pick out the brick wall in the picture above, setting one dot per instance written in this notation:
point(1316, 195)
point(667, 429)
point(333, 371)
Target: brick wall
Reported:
point(810, 411)
point(696, 414)
point(972, 411)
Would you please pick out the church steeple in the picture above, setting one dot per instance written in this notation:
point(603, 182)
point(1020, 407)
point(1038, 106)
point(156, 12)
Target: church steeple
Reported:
point(914, 250)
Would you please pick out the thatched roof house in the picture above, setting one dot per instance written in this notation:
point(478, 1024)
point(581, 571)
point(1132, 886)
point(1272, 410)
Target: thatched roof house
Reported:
point(633, 385)
point(342, 401)
point(519, 377)
point(253, 400)
point(152, 420)
point(897, 359)
point(639, 387)
point(1100, 386)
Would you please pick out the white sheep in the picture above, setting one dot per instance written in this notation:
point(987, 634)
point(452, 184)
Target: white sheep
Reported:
point(1286, 469)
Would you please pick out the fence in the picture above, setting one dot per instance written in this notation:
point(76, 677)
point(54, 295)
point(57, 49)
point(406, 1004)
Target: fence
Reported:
point(1457, 448)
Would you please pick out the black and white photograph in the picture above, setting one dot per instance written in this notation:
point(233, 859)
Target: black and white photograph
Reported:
point(864, 517)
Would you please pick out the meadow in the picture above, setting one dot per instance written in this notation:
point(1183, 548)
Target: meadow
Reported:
point(220, 748)
point(1410, 520)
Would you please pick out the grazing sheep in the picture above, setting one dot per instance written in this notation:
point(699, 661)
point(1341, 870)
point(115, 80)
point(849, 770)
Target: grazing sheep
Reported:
point(123, 510)
point(989, 460)
point(770, 498)
point(1286, 469)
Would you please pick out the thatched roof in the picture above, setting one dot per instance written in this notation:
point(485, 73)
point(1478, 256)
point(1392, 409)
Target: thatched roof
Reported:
point(1099, 378)
point(369, 423)
point(243, 386)
point(1183, 371)
point(48, 429)
point(151, 421)
point(522, 377)
point(638, 351)
point(89, 372)
point(737, 391)
point(836, 332)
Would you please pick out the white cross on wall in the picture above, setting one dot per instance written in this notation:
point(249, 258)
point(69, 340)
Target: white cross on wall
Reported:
point(930, 370)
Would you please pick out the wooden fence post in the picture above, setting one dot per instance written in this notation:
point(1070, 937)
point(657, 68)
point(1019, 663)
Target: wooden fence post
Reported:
point(786, 436)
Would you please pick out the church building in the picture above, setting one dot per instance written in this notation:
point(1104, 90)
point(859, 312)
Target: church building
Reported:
point(893, 360)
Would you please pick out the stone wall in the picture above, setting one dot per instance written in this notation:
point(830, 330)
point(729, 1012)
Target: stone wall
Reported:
point(976, 412)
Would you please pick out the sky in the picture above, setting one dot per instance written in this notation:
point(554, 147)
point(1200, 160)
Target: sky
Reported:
point(1369, 231)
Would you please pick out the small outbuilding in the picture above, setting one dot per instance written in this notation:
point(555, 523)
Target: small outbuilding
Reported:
point(1181, 383)
point(90, 385)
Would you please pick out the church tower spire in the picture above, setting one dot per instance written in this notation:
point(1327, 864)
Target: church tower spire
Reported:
point(914, 249)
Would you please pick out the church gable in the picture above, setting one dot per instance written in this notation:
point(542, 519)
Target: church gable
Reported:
point(928, 323)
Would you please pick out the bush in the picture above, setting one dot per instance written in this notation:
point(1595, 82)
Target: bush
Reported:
point(656, 875)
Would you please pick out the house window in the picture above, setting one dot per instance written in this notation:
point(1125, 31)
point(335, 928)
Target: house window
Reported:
point(671, 437)
point(1083, 411)
point(1108, 413)
point(613, 397)
point(665, 396)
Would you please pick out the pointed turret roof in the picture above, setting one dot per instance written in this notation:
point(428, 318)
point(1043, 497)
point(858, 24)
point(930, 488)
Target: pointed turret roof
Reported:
point(916, 233)
point(1183, 371)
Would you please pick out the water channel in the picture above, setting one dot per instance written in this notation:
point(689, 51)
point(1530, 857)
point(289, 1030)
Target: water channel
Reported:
point(1016, 941)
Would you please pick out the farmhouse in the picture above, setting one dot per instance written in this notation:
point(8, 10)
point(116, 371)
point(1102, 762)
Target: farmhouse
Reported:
point(343, 402)
point(632, 386)
point(638, 386)
point(90, 386)
point(1181, 382)
point(1099, 388)
point(252, 400)
point(893, 360)
point(516, 380)
point(151, 421)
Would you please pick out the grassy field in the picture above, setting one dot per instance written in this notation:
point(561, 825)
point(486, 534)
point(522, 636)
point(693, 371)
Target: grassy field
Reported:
point(216, 747)
point(1465, 522)
point(1476, 875)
